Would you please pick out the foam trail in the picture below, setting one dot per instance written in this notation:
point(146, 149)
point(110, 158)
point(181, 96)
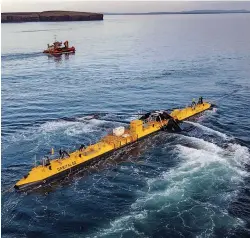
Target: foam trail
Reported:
point(201, 144)
point(71, 128)
point(50, 128)
point(206, 114)
point(190, 188)
point(209, 130)
point(117, 226)
point(18, 56)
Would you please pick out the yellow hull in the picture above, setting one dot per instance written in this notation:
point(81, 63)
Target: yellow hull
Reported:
point(108, 144)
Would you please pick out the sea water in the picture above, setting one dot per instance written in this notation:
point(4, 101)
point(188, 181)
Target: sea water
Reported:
point(193, 184)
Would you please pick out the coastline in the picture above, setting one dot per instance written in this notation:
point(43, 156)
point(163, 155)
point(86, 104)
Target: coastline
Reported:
point(49, 16)
point(57, 15)
point(193, 12)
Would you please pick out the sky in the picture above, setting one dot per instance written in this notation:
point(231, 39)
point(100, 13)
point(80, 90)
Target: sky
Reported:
point(119, 6)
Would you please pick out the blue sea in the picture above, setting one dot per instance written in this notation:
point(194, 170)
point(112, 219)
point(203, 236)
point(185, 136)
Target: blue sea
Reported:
point(193, 184)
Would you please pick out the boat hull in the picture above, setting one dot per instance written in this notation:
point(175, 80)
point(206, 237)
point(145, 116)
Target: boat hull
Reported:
point(71, 166)
point(60, 51)
point(73, 170)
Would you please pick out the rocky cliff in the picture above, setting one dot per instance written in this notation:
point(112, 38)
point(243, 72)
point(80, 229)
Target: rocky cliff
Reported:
point(50, 16)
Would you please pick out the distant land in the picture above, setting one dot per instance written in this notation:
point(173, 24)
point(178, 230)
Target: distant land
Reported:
point(184, 12)
point(47, 16)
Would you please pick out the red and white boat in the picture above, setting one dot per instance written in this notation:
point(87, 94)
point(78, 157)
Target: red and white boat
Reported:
point(57, 49)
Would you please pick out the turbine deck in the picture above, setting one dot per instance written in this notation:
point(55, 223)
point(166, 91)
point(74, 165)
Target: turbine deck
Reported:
point(138, 129)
